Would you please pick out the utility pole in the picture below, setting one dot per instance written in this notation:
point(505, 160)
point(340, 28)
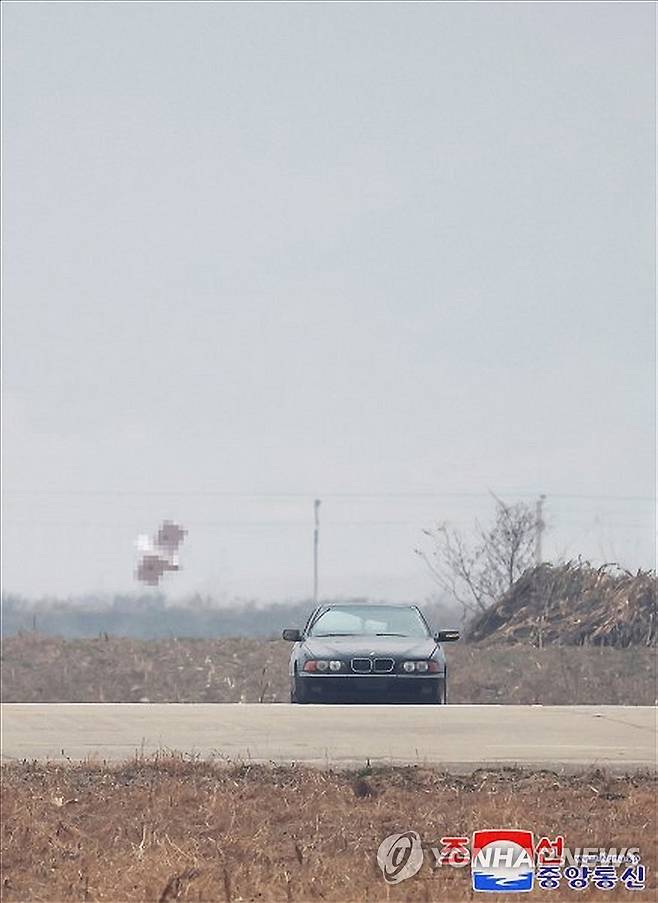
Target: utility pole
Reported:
point(539, 529)
point(316, 539)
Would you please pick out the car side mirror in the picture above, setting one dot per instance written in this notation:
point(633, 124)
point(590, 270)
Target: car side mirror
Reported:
point(446, 636)
point(292, 634)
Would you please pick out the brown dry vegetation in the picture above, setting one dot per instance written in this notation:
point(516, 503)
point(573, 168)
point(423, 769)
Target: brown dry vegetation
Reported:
point(48, 669)
point(574, 604)
point(174, 829)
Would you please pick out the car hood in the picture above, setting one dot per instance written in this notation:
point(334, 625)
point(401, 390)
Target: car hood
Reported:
point(348, 646)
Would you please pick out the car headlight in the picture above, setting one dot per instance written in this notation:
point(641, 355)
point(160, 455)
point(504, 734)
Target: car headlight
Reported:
point(322, 665)
point(422, 667)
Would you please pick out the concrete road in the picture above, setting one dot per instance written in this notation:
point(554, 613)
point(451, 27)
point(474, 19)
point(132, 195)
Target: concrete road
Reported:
point(459, 737)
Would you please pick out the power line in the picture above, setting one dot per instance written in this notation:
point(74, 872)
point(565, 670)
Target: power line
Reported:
point(135, 524)
point(312, 495)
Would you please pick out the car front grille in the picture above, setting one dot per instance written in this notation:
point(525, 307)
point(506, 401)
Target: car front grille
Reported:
point(377, 665)
point(362, 665)
point(384, 665)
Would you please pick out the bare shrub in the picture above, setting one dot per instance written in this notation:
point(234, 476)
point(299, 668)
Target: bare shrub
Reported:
point(476, 571)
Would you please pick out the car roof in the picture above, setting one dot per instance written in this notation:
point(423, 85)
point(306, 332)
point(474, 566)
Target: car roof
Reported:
point(362, 602)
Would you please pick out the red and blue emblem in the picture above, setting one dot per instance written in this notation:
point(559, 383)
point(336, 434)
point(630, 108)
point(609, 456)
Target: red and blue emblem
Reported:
point(502, 861)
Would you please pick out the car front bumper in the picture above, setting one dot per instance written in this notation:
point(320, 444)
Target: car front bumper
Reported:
point(391, 687)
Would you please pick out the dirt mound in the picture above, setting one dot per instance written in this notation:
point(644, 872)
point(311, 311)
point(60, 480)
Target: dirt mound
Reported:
point(574, 605)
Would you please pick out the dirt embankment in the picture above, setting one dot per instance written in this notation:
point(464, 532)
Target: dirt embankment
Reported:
point(48, 669)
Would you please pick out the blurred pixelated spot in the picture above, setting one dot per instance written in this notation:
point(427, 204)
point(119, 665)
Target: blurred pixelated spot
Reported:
point(159, 554)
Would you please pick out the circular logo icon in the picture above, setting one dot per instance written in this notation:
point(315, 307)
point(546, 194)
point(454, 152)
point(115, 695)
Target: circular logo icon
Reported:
point(400, 856)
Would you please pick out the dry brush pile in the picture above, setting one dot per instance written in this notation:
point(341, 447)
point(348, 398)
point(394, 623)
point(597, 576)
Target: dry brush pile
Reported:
point(574, 605)
point(172, 829)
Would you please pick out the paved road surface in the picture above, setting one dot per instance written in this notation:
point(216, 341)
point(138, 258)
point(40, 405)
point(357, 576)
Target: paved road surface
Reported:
point(461, 737)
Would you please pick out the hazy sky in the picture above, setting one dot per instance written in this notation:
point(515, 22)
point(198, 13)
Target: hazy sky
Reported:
point(393, 255)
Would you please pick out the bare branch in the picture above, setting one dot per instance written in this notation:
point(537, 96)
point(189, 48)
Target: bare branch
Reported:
point(475, 573)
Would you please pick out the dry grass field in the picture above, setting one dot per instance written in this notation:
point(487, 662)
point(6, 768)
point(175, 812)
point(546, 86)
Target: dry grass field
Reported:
point(174, 829)
point(48, 669)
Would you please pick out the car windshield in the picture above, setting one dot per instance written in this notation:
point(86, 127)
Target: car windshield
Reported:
point(369, 620)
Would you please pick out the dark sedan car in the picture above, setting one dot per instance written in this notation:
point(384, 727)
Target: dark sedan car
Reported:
point(352, 651)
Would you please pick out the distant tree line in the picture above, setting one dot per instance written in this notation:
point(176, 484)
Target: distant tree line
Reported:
point(153, 616)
